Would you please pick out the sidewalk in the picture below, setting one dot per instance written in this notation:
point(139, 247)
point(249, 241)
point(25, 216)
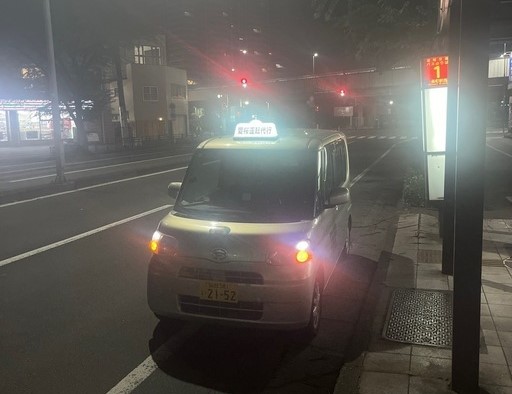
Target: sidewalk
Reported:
point(415, 297)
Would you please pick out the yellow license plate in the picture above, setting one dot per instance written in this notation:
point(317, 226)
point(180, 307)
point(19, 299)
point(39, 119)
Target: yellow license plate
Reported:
point(219, 291)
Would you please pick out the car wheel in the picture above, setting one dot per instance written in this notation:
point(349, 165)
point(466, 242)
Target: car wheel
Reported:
point(313, 326)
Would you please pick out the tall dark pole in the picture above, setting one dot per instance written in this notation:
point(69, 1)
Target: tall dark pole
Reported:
point(57, 139)
point(123, 116)
point(451, 137)
point(469, 193)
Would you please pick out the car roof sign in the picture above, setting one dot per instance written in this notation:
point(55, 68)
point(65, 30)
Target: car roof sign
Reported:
point(255, 129)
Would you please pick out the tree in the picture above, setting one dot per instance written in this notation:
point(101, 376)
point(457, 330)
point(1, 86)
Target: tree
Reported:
point(382, 32)
point(87, 36)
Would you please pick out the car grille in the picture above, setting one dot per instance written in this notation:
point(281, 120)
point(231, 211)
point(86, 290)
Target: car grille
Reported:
point(241, 310)
point(251, 278)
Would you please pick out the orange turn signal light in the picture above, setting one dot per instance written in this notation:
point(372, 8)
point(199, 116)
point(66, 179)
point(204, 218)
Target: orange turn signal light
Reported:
point(302, 256)
point(153, 246)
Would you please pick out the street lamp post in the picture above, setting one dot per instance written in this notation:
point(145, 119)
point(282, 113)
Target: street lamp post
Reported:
point(57, 138)
point(314, 55)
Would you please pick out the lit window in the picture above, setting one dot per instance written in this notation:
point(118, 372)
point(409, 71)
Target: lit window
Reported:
point(31, 72)
point(146, 54)
point(150, 93)
point(178, 91)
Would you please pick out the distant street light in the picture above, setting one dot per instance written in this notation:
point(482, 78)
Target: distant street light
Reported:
point(314, 55)
point(391, 102)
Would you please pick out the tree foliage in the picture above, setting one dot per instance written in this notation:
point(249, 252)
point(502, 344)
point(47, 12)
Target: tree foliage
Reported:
point(86, 35)
point(382, 32)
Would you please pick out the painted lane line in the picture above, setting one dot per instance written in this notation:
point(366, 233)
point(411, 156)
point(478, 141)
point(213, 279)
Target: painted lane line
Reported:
point(97, 168)
point(392, 137)
point(91, 187)
point(371, 137)
point(136, 377)
point(361, 137)
point(79, 236)
point(362, 174)
point(499, 150)
point(150, 364)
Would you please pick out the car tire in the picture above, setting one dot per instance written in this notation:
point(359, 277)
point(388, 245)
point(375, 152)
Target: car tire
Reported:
point(310, 331)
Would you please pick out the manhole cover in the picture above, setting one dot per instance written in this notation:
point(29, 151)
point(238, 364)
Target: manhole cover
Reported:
point(421, 317)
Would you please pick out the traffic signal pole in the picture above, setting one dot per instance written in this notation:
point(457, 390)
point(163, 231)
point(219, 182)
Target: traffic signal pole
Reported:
point(469, 193)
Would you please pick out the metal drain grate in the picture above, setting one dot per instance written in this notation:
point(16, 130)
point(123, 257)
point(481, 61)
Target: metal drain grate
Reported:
point(421, 317)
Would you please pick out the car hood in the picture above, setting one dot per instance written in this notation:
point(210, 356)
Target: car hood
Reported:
point(225, 242)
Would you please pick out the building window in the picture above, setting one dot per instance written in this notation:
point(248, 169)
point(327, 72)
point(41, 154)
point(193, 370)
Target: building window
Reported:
point(150, 93)
point(178, 91)
point(146, 54)
point(31, 72)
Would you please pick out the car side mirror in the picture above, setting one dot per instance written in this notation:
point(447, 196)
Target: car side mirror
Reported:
point(339, 196)
point(173, 189)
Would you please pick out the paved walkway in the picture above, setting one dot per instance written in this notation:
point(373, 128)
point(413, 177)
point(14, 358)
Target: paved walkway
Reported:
point(395, 367)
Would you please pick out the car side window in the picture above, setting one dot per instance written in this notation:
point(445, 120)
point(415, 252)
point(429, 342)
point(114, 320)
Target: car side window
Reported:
point(332, 172)
point(339, 164)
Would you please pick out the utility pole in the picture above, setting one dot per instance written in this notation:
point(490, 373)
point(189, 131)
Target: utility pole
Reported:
point(57, 138)
point(469, 194)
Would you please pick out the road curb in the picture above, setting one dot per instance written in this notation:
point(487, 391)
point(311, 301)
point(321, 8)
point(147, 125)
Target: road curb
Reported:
point(370, 319)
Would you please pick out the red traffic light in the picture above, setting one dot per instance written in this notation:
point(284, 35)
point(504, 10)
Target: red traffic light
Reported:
point(244, 82)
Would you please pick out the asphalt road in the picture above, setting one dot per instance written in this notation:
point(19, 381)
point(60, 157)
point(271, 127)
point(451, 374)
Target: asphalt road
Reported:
point(73, 313)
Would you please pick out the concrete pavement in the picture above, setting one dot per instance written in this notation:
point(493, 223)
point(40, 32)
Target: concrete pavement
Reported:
point(415, 263)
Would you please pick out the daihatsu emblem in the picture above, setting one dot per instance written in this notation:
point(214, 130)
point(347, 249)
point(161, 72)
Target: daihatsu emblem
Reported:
point(219, 254)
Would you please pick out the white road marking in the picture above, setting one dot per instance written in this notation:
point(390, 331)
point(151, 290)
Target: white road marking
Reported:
point(362, 174)
point(499, 150)
point(361, 137)
point(382, 137)
point(96, 168)
point(392, 137)
point(149, 365)
point(90, 187)
point(136, 377)
point(54, 245)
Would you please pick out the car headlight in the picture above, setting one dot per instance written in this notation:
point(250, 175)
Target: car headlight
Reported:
point(163, 245)
point(300, 254)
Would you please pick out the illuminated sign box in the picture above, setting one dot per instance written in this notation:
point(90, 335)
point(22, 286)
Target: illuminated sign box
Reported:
point(435, 71)
point(434, 98)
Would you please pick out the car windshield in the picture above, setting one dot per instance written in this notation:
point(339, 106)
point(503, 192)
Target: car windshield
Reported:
point(249, 185)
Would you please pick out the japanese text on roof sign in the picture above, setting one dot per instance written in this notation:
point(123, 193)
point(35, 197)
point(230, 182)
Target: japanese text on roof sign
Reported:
point(435, 71)
point(254, 130)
